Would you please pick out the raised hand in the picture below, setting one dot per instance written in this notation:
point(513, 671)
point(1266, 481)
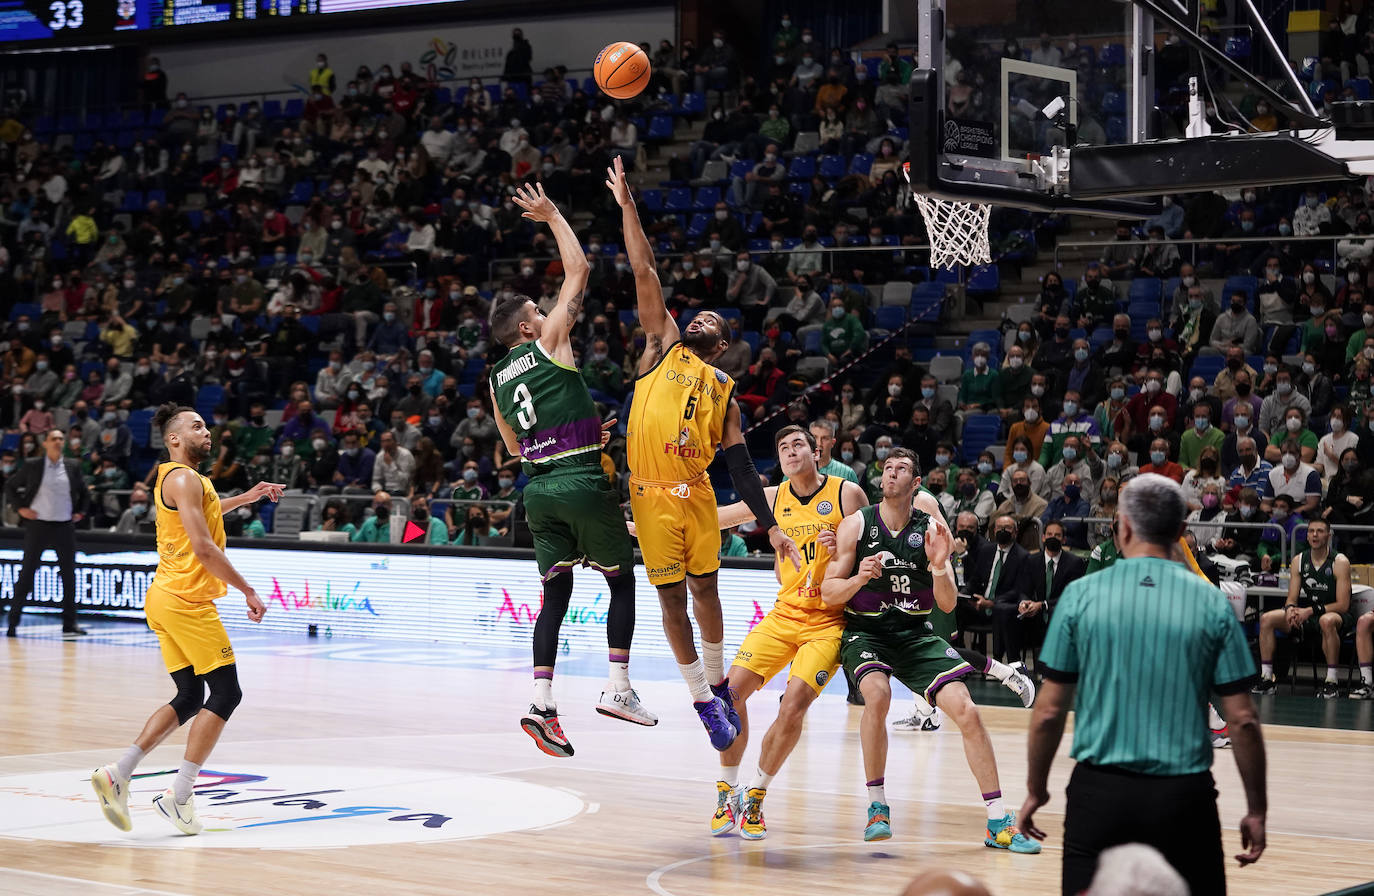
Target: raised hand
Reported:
point(537, 206)
point(618, 185)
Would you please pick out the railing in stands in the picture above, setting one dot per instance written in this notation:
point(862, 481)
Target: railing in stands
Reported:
point(1064, 247)
point(1283, 535)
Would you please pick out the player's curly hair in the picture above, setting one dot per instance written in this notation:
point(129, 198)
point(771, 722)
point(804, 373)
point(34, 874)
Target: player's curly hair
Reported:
point(168, 412)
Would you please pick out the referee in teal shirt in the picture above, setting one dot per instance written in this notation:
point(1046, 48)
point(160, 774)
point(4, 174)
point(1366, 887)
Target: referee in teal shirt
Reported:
point(1142, 644)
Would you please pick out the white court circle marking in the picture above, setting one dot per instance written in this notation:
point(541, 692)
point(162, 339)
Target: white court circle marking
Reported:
point(287, 806)
point(653, 878)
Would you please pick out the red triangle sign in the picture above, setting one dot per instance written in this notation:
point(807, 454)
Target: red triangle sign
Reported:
point(412, 532)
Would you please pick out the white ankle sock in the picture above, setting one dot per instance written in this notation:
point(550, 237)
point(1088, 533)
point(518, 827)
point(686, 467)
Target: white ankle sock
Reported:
point(876, 792)
point(761, 780)
point(713, 660)
point(185, 780)
point(729, 774)
point(1367, 674)
point(618, 679)
point(994, 806)
point(1000, 671)
point(543, 693)
point(1266, 670)
point(129, 761)
point(695, 676)
point(1330, 675)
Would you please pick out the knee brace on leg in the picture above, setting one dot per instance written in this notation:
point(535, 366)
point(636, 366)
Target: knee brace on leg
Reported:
point(224, 691)
point(190, 694)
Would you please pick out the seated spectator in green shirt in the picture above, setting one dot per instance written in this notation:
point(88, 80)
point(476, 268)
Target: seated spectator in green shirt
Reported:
point(602, 374)
point(334, 518)
point(1294, 427)
point(731, 545)
point(476, 524)
point(842, 335)
point(376, 529)
point(980, 389)
point(436, 532)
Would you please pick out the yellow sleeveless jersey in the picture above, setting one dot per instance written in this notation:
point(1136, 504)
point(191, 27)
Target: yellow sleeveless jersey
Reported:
point(178, 569)
point(803, 519)
point(677, 418)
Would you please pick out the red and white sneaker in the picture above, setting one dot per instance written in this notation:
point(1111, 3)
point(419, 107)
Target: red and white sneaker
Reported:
point(542, 726)
point(625, 705)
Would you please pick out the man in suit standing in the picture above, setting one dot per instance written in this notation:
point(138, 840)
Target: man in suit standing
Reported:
point(1051, 570)
point(1001, 582)
point(50, 496)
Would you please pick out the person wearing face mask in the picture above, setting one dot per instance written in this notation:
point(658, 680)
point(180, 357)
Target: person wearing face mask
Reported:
point(1355, 344)
point(843, 336)
point(1252, 471)
point(715, 65)
point(750, 289)
point(1077, 458)
point(1296, 478)
point(1236, 326)
point(390, 335)
point(1022, 460)
point(1002, 577)
point(1070, 503)
point(1022, 503)
point(1032, 426)
point(1160, 451)
point(1335, 443)
point(354, 467)
point(140, 516)
point(1350, 495)
point(748, 190)
point(1294, 426)
point(873, 474)
point(980, 387)
point(1201, 435)
point(1237, 542)
point(1096, 295)
point(477, 426)
point(1072, 421)
point(1206, 518)
point(288, 466)
point(394, 468)
point(518, 67)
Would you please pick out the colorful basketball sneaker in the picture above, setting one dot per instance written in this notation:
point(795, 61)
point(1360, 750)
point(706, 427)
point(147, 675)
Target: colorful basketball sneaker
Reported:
point(542, 726)
point(1002, 834)
point(751, 819)
point(879, 823)
point(1022, 685)
point(113, 792)
point(715, 718)
point(625, 705)
point(722, 691)
point(729, 809)
point(181, 815)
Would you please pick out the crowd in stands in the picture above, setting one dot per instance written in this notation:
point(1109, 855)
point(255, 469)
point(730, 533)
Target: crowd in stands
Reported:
point(316, 282)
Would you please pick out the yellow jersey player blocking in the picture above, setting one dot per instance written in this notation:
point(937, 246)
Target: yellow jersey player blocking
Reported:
point(547, 418)
point(889, 569)
point(682, 409)
point(180, 605)
point(800, 629)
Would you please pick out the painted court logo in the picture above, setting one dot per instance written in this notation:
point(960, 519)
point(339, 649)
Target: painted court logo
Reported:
point(288, 807)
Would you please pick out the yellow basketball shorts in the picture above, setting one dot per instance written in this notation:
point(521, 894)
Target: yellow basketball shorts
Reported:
point(189, 632)
point(678, 529)
point(810, 643)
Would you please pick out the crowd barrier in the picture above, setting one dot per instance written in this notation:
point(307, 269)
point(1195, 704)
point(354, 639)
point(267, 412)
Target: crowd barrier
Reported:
point(486, 597)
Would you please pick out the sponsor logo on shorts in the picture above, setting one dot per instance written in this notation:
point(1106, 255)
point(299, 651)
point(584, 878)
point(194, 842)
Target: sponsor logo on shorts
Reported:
point(865, 655)
point(744, 655)
point(672, 569)
point(824, 508)
point(952, 653)
point(915, 539)
point(226, 652)
point(822, 677)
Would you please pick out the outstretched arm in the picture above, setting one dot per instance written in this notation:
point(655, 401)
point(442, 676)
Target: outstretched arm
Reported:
point(558, 325)
point(660, 330)
point(731, 515)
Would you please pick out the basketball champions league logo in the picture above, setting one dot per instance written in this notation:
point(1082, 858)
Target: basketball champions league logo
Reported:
point(286, 806)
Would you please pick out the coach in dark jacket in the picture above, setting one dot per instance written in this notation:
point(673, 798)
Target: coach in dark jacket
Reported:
point(1051, 571)
point(1002, 577)
point(50, 496)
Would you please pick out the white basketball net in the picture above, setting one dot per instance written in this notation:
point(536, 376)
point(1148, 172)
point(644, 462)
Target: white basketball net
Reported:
point(958, 230)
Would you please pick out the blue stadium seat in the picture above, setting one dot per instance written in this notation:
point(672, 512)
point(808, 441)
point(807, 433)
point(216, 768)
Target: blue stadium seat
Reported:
point(889, 317)
point(812, 342)
point(862, 163)
point(696, 227)
point(1114, 102)
point(980, 431)
point(272, 110)
point(294, 108)
point(679, 200)
point(133, 201)
point(984, 280)
point(801, 188)
point(653, 200)
point(32, 309)
point(301, 192)
point(693, 103)
point(660, 129)
point(1112, 54)
point(740, 167)
point(140, 425)
point(1144, 289)
point(1238, 47)
point(1239, 283)
point(802, 168)
point(1360, 86)
point(1207, 367)
point(831, 167)
point(208, 396)
point(1116, 129)
point(707, 197)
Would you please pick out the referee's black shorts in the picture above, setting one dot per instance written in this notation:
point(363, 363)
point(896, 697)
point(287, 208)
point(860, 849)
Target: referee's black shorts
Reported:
point(1177, 815)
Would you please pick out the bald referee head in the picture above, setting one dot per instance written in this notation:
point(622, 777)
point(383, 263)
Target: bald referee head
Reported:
point(1142, 646)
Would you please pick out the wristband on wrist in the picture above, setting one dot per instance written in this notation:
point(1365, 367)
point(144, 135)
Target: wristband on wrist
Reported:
point(942, 571)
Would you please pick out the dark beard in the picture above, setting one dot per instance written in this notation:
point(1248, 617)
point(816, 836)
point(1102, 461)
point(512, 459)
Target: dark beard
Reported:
point(702, 343)
point(194, 456)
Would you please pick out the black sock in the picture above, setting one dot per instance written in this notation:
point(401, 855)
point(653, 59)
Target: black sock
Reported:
point(620, 618)
point(557, 593)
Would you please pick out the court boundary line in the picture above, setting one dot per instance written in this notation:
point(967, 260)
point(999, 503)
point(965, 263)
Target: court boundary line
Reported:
point(121, 888)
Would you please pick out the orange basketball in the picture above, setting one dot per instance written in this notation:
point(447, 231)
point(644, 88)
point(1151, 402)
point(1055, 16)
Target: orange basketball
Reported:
point(622, 70)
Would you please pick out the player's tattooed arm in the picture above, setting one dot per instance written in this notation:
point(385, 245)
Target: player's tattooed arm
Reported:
point(653, 352)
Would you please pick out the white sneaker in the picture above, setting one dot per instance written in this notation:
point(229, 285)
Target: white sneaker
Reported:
point(113, 792)
point(181, 815)
point(625, 705)
point(919, 721)
point(1021, 684)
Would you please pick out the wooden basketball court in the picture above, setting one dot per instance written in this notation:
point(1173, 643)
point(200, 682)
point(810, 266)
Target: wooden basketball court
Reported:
point(355, 768)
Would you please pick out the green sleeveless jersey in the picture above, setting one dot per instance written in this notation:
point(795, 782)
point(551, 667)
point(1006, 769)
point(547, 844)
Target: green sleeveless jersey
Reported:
point(902, 597)
point(1318, 582)
point(548, 406)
